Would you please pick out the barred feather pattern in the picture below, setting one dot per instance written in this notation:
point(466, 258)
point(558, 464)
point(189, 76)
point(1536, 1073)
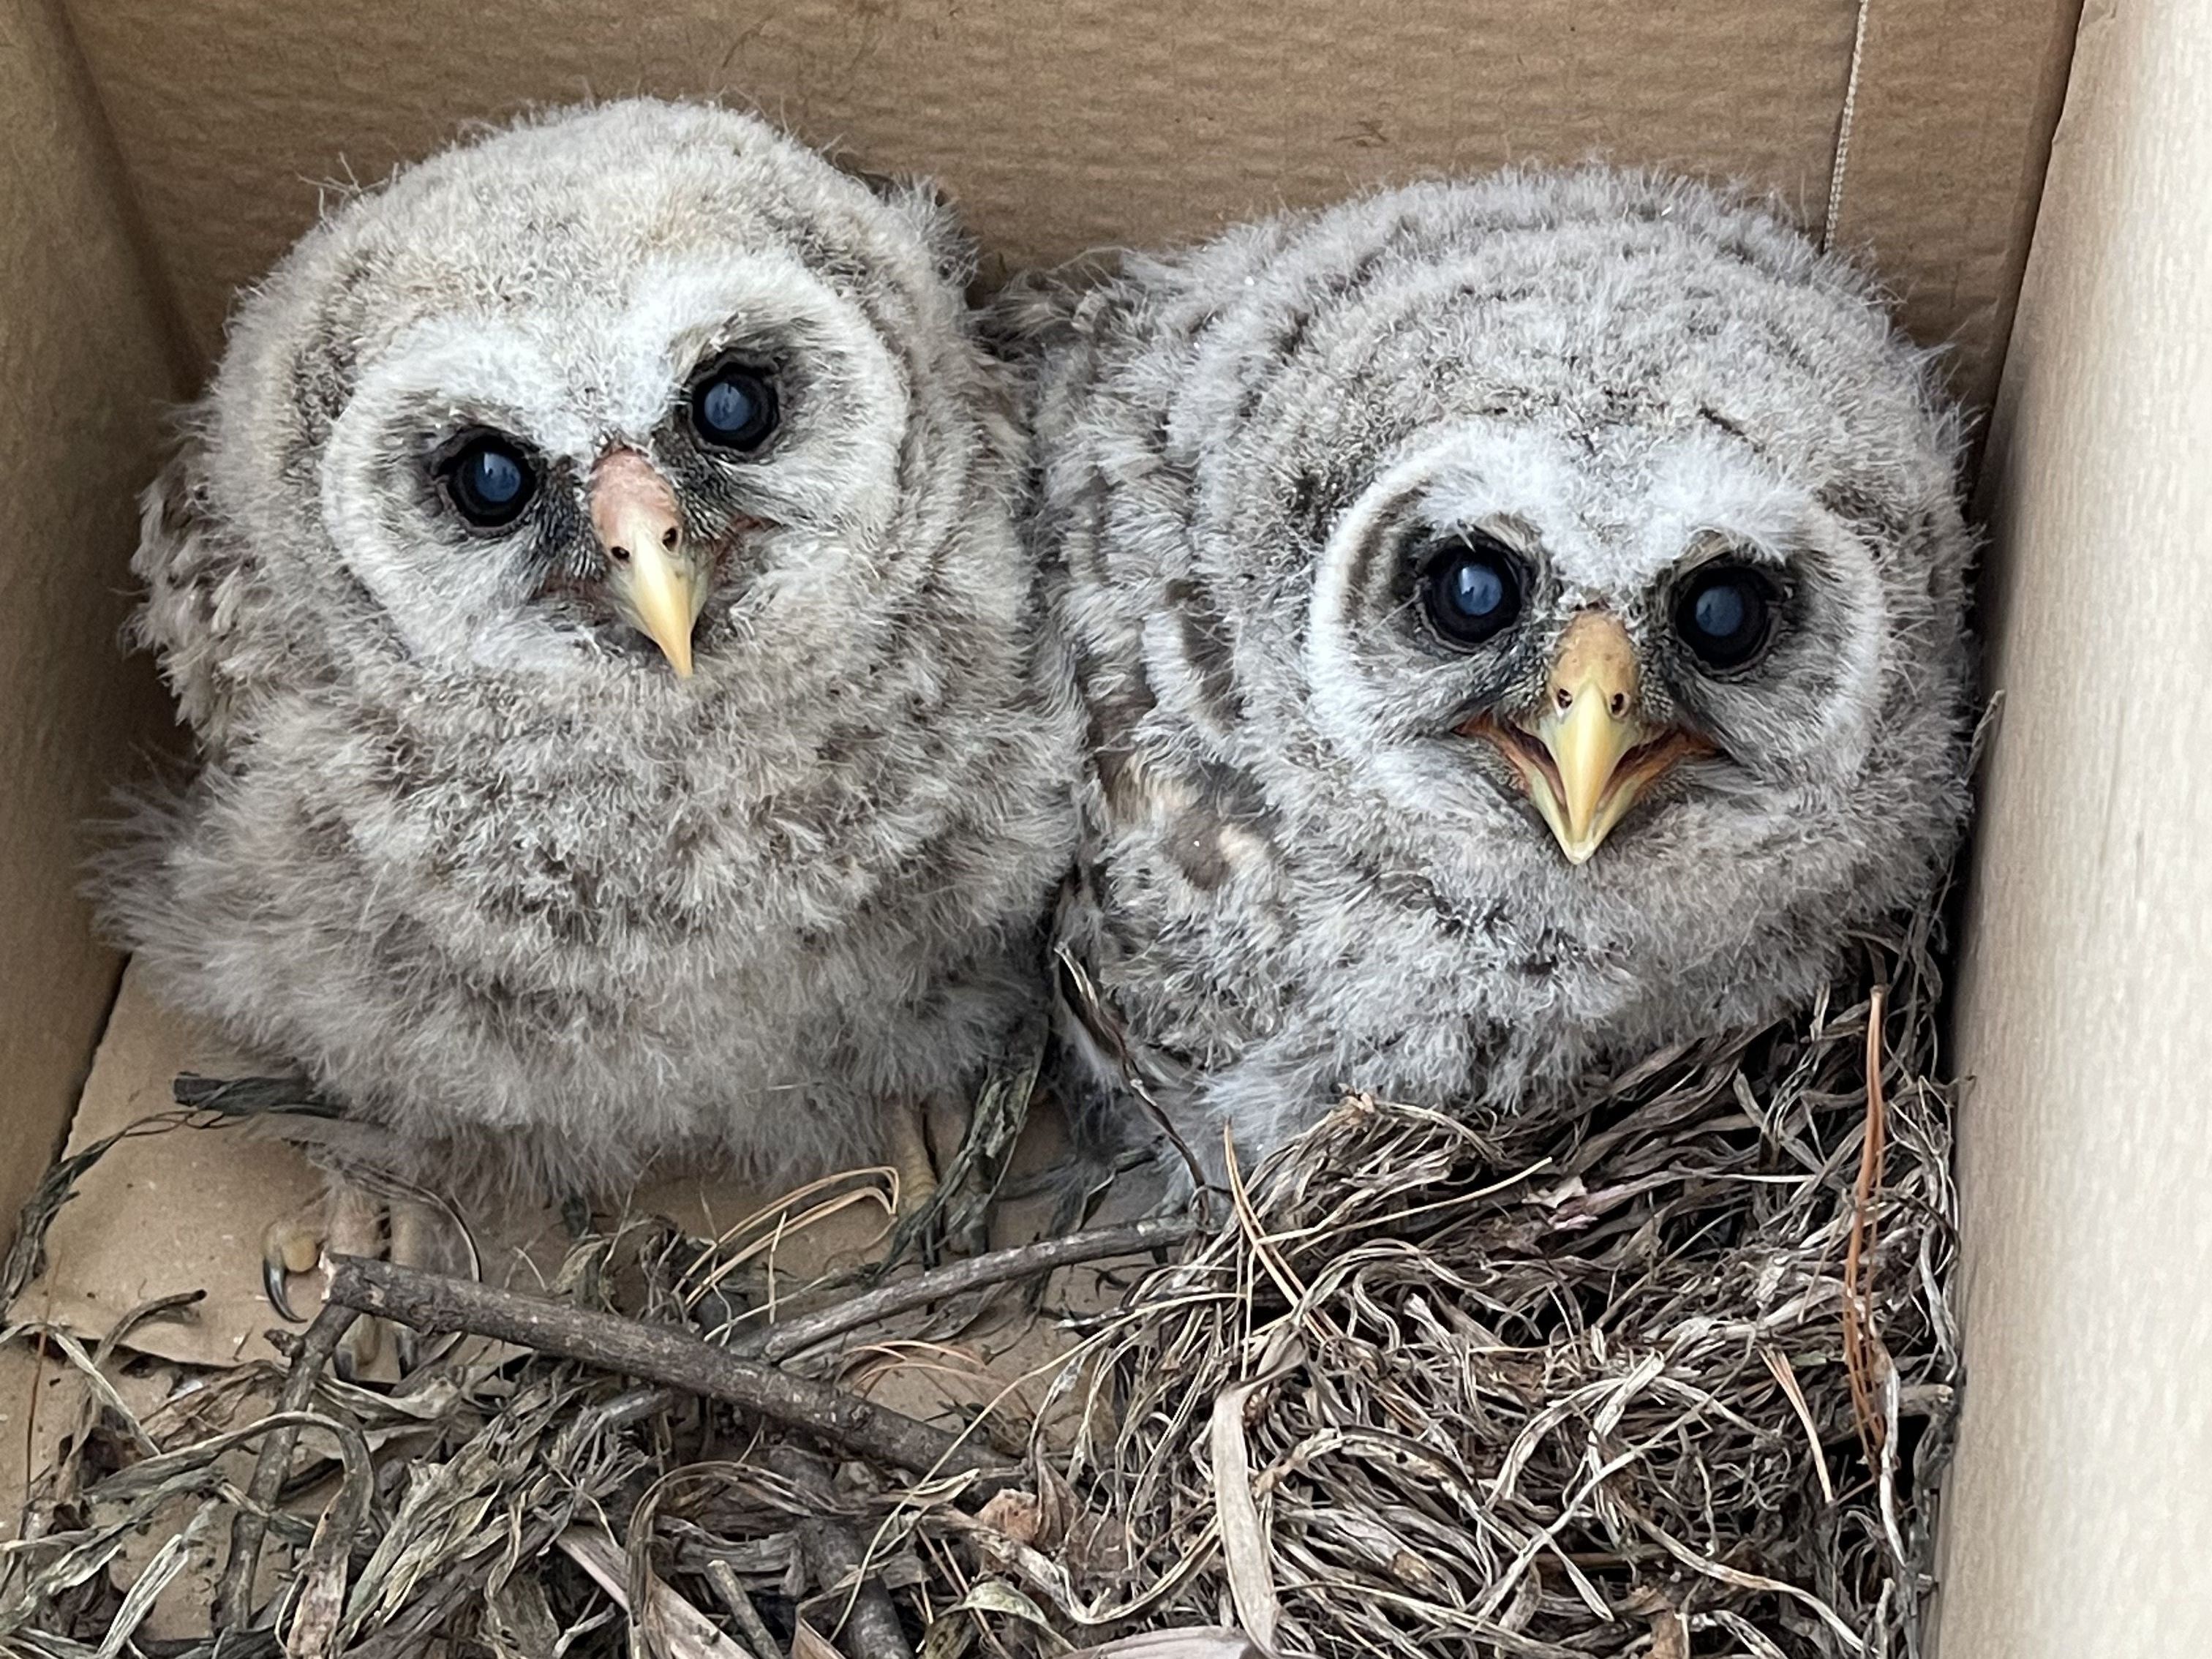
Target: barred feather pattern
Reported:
point(1298, 877)
point(462, 847)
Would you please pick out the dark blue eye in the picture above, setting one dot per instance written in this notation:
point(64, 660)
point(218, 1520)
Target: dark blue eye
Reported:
point(1726, 615)
point(734, 407)
point(1473, 590)
point(489, 481)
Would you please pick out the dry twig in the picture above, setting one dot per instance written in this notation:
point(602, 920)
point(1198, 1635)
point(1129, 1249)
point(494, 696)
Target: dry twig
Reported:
point(1861, 1342)
point(234, 1595)
point(435, 1304)
point(778, 1343)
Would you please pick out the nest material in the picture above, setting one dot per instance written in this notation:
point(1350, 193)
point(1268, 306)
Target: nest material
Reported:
point(1674, 1366)
point(1669, 1371)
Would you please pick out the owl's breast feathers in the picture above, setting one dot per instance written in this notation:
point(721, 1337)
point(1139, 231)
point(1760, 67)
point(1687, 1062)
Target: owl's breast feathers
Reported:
point(1220, 929)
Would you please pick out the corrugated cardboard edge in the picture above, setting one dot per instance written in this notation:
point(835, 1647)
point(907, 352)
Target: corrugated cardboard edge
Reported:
point(1952, 132)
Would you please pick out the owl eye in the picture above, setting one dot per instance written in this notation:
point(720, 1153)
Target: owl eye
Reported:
point(734, 407)
point(1471, 589)
point(1726, 615)
point(489, 480)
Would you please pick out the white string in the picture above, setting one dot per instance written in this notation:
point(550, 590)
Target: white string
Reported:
point(1843, 130)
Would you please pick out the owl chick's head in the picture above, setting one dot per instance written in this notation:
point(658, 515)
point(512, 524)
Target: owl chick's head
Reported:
point(1587, 539)
point(612, 394)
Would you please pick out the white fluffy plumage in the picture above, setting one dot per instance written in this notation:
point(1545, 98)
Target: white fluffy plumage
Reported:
point(1292, 482)
point(464, 846)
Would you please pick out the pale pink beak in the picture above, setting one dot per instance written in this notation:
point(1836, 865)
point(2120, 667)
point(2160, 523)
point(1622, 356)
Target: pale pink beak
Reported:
point(655, 584)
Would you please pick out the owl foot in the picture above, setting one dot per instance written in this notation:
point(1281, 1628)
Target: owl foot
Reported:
point(923, 1141)
point(935, 1211)
point(352, 1219)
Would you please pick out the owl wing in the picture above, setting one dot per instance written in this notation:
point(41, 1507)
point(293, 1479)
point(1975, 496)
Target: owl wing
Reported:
point(200, 583)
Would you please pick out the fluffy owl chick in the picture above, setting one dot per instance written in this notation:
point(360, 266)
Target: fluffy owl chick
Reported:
point(1521, 623)
point(592, 580)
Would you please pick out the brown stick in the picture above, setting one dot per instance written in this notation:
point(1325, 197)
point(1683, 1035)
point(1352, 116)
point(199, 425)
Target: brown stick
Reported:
point(741, 1612)
point(233, 1599)
point(778, 1342)
point(832, 1554)
point(1860, 1338)
point(435, 1303)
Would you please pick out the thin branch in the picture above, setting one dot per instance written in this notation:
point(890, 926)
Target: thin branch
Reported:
point(1861, 1340)
point(435, 1303)
point(778, 1342)
point(834, 1556)
point(234, 1600)
point(743, 1613)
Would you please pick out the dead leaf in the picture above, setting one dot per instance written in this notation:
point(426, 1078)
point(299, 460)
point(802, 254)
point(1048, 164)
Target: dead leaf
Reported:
point(1192, 1642)
point(1244, 1546)
point(690, 1633)
point(1016, 1513)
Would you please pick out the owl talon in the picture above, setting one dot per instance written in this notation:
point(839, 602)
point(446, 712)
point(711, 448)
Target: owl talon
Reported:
point(350, 1220)
point(289, 1246)
point(935, 1210)
point(272, 1287)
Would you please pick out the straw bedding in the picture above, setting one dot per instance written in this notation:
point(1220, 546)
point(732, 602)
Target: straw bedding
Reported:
point(1670, 1371)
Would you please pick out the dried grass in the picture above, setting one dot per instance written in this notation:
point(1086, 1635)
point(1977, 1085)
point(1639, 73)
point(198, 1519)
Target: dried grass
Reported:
point(1670, 1372)
point(1678, 1360)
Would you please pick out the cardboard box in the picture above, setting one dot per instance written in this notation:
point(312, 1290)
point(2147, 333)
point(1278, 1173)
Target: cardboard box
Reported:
point(155, 154)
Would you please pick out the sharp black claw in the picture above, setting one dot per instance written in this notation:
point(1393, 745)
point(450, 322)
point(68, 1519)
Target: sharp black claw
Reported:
point(272, 1286)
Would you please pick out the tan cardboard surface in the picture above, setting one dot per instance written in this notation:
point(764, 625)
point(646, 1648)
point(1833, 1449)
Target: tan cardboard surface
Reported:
point(2080, 1517)
point(176, 1211)
point(86, 365)
point(38, 1404)
point(1956, 102)
point(1063, 127)
point(184, 1210)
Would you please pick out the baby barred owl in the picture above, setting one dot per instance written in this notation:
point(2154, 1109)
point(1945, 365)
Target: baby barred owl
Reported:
point(1521, 623)
point(593, 581)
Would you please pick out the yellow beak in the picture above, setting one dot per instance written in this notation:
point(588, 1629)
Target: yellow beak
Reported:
point(1593, 753)
point(653, 583)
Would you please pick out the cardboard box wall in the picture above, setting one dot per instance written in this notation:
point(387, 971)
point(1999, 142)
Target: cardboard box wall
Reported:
point(2079, 1514)
point(153, 155)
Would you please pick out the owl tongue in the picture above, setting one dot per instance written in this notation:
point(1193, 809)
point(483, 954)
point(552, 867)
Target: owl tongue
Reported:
point(652, 582)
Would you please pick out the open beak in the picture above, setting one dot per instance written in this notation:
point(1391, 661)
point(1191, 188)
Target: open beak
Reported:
point(654, 582)
point(1589, 754)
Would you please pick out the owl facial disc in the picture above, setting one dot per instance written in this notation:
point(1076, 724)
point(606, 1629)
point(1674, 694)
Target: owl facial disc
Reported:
point(653, 582)
point(1588, 754)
